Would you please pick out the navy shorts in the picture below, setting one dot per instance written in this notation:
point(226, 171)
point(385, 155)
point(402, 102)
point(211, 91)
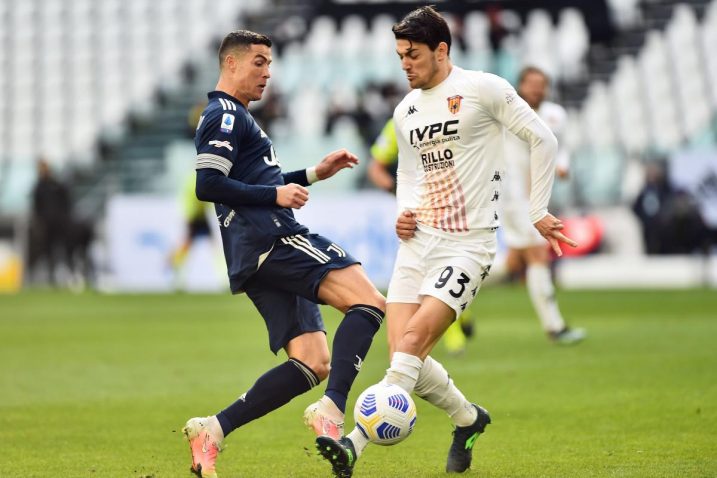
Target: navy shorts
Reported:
point(285, 288)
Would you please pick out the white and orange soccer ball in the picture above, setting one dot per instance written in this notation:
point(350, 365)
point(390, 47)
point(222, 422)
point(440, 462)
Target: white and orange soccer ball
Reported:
point(385, 414)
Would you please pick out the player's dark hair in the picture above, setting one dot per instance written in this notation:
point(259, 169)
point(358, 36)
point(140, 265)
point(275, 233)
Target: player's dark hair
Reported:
point(240, 39)
point(530, 70)
point(424, 25)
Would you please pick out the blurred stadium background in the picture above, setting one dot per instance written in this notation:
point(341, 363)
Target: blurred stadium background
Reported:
point(108, 93)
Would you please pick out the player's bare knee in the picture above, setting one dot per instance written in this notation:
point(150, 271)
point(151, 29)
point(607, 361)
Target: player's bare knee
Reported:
point(377, 300)
point(319, 365)
point(322, 369)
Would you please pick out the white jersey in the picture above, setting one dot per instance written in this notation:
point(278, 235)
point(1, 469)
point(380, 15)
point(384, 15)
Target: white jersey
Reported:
point(517, 154)
point(450, 140)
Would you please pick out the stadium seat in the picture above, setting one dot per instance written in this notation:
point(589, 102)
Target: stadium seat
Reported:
point(572, 42)
point(625, 13)
point(538, 42)
point(629, 107)
point(660, 88)
point(107, 56)
point(684, 49)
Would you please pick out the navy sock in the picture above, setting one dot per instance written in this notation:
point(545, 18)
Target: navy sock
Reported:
point(351, 343)
point(272, 390)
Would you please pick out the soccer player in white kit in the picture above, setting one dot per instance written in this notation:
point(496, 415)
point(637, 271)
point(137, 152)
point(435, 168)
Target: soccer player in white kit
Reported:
point(525, 244)
point(450, 131)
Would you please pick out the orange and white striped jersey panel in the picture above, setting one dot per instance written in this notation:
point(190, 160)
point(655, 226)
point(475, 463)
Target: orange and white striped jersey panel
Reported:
point(443, 203)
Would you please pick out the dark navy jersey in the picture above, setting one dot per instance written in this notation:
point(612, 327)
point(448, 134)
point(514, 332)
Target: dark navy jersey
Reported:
point(229, 140)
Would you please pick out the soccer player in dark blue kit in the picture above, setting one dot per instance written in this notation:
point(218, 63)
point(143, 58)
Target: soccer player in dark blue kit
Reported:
point(283, 268)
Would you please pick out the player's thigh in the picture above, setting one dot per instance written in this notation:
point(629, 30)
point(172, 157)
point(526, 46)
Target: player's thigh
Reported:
point(408, 271)
point(537, 254)
point(299, 264)
point(514, 261)
point(397, 316)
point(343, 288)
point(285, 314)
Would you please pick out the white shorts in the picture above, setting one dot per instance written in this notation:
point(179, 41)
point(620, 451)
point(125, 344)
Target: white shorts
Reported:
point(450, 269)
point(518, 231)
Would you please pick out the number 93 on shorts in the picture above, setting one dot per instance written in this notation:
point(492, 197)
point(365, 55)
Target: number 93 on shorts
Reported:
point(449, 270)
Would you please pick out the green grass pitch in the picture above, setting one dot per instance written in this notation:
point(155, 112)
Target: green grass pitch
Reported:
point(100, 386)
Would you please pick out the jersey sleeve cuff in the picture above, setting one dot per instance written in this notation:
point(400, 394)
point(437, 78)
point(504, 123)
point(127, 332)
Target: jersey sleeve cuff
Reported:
point(311, 175)
point(537, 216)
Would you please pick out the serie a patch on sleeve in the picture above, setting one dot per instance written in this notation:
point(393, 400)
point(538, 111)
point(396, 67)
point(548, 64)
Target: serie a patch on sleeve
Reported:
point(227, 123)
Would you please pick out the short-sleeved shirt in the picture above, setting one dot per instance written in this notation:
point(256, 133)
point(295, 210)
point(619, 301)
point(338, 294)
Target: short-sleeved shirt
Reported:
point(229, 140)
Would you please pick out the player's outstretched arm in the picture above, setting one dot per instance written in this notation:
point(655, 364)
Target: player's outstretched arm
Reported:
point(335, 162)
point(213, 186)
point(550, 227)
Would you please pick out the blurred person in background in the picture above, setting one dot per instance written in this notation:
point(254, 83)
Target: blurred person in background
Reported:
point(449, 130)
point(382, 173)
point(527, 248)
point(649, 206)
point(49, 224)
point(670, 219)
point(284, 269)
point(196, 225)
point(57, 238)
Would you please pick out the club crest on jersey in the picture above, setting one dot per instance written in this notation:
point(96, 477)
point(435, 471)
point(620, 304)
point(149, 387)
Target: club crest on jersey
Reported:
point(227, 123)
point(454, 103)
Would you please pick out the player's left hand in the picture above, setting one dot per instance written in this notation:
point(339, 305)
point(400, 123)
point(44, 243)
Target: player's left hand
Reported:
point(335, 162)
point(549, 227)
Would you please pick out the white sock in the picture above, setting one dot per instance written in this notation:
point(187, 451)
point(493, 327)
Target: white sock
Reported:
point(215, 428)
point(404, 371)
point(436, 387)
point(542, 294)
point(359, 441)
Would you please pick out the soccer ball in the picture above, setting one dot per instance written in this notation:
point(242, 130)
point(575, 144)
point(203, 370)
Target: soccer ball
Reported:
point(385, 414)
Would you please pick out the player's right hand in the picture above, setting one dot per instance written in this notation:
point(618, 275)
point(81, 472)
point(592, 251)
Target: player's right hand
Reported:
point(406, 225)
point(550, 227)
point(292, 195)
